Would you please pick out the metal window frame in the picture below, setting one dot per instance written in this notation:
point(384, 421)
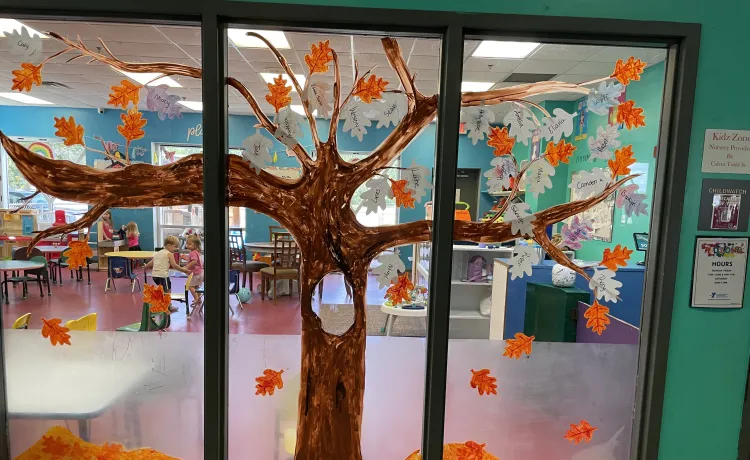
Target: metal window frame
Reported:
point(676, 119)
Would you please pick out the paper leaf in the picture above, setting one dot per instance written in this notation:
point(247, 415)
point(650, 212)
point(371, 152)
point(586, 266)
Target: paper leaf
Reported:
point(400, 291)
point(390, 265)
point(317, 98)
point(69, 131)
point(289, 130)
point(417, 180)
point(580, 432)
point(618, 256)
point(579, 230)
point(604, 284)
point(268, 382)
point(597, 318)
point(278, 95)
point(319, 57)
point(559, 153)
point(132, 125)
point(28, 47)
point(392, 110)
point(500, 140)
point(561, 124)
point(374, 197)
point(630, 115)
point(158, 301)
point(522, 260)
point(28, 75)
point(518, 346)
point(620, 166)
point(630, 201)
point(521, 123)
point(604, 144)
point(256, 150)
point(629, 70)
point(164, 104)
point(355, 119)
point(483, 382)
point(370, 89)
point(590, 183)
point(499, 177)
point(127, 92)
point(520, 219)
point(477, 121)
point(538, 176)
point(605, 96)
point(56, 333)
point(78, 253)
point(403, 196)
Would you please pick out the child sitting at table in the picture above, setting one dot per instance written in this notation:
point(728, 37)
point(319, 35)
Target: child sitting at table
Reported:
point(195, 265)
point(163, 261)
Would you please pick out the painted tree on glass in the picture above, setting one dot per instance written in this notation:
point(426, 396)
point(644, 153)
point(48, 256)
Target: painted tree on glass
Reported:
point(316, 207)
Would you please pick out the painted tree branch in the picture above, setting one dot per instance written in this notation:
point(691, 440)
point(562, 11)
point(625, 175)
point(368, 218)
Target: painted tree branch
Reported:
point(336, 114)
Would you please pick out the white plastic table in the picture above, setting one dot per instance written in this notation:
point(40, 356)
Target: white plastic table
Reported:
point(394, 311)
point(15, 266)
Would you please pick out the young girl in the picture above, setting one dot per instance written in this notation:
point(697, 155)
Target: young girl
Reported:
point(131, 231)
point(107, 225)
point(163, 261)
point(195, 265)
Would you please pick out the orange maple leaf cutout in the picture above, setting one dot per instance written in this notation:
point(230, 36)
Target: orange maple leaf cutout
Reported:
point(499, 139)
point(630, 115)
point(483, 382)
point(518, 346)
point(319, 57)
point(111, 451)
point(370, 89)
point(268, 382)
point(559, 153)
point(403, 196)
point(471, 451)
point(581, 432)
point(620, 166)
point(279, 93)
point(54, 446)
point(69, 131)
point(618, 256)
point(77, 254)
point(28, 75)
point(132, 125)
point(124, 94)
point(55, 332)
point(628, 70)
point(597, 317)
point(158, 301)
point(400, 290)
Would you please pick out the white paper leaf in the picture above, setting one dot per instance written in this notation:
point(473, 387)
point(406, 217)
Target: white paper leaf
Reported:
point(521, 124)
point(538, 177)
point(520, 219)
point(374, 197)
point(561, 124)
point(523, 258)
point(417, 180)
point(604, 144)
point(317, 98)
point(605, 285)
point(590, 183)
point(387, 271)
point(477, 121)
point(355, 119)
point(391, 110)
point(289, 130)
point(255, 149)
point(163, 103)
point(631, 202)
point(499, 176)
point(22, 44)
point(605, 96)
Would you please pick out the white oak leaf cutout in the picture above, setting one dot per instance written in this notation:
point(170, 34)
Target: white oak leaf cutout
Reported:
point(499, 176)
point(417, 180)
point(538, 177)
point(590, 183)
point(477, 121)
point(603, 146)
point(631, 201)
point(387, 271)
point(520, 218)
point(521, 124)
point(355, 120)
point(255, 149)
point(605, 96)
point(391, 110)
point(374, 197)
point(289, 130)
point(604, 284)
point(523, 258)
point(317, 98)
point(561, 124)
point(28, 47)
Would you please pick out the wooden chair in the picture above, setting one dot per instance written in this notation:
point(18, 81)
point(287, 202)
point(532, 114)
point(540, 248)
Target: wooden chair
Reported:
point(84, 323)
point(275, 229)
point(285, 264)
point(22, 322)
point(239, 260)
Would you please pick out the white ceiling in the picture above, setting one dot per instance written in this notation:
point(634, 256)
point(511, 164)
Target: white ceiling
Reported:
point(90, 83)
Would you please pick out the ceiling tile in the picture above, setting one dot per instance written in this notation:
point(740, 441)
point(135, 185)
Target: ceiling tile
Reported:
point(183, 36)
point(600, 69)
point(611, 54)
point(540, 66)
point(132, 33)
point(491, 65)
point(425, 47)
point(574, 78)
point(424, 63)
point(564, 52)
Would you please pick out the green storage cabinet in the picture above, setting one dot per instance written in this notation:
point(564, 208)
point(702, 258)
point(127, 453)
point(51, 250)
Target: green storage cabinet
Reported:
point(551, 312)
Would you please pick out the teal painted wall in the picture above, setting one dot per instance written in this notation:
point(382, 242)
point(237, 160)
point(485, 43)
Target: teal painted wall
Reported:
point(709, 350)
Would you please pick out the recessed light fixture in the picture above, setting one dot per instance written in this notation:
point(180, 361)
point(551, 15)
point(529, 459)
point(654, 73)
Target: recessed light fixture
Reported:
point(269, 76)
point(25, 99)
point(510, 50)
point(151, 78)
point(240, 38)
point(301, 110)
point(474, 86)
point(192, 105)
point(9, 25)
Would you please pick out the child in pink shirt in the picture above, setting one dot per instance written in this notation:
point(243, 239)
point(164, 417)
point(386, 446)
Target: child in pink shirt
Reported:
point(195, 265)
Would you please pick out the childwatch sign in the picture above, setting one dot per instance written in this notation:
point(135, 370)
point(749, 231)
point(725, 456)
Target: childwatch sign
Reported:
point(726, 151)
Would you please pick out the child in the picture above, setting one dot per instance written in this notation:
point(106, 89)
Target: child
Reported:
point(195, 265)
point(108, 227)
point(163, 261)
point(131, 231)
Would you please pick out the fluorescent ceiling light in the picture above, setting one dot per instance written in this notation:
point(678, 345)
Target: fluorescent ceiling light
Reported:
point(474, 86)
point(240, 38)
point(25, 98)
point(9, 25)
point(147, 77)
point(497, 49)
point(269, 76)
point(300, 110)
point(192, 105)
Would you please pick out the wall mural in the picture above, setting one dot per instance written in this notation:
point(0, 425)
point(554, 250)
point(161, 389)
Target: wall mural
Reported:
point(333, 366)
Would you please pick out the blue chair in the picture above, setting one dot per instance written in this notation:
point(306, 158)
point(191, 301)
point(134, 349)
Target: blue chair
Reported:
point(120, 267)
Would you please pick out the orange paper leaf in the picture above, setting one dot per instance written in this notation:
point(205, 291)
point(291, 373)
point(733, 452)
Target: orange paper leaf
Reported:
point(319, 57)
point(471, 451)
point(618, 256)
point(499, 139)
point(28, 75)
point(559, 153)
point(124, 94)
point(55, 332)
point(158, 301)
point(630, 115)
point(400, 291)
point(580, 432)
point(628, 70)
point(132, 125)
point(69, 130)
point(279, 93)
point(620, 166)
point(483, 382)
point(403, 196)
point(518, 346)
point(54, 446)
point(370, 89)
point(267, 382)
point(77, 254)
point(597, 317)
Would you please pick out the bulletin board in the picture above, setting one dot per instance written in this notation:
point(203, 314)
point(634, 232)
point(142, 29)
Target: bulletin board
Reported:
point(602, 215)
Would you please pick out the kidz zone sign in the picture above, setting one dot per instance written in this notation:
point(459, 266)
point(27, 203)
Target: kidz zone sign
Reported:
point(726, 151)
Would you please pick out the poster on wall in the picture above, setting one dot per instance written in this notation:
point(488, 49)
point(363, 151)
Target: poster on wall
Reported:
point(613, 110)
point(719, 272)
point(724, 205)
point(602, 215)
point(536, 144)
point(726, 151)
point(581, 128)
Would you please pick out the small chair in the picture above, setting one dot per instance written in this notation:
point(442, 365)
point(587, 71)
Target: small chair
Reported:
point(234, 289)
point(38, 275)
point(183, 296)
point(285, 264)
point(119, 267)
point(238, 258)
point(275, 229)
point(149, 322)
point(22, 322)
point(84, 323)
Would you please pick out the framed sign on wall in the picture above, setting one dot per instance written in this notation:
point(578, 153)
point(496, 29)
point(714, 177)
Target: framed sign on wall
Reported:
point(719, 272)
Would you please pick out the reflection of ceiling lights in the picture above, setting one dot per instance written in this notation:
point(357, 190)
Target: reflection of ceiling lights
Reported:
point(510, 50)
point(269, 76)
point(25, 99)
point(300, 110)
point(192, 105)
point(9, 25)
point(240, 38)
point(473, 86)
point(151, 78)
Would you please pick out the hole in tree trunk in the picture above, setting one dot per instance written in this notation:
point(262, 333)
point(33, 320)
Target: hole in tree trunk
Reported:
point(336, 319)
